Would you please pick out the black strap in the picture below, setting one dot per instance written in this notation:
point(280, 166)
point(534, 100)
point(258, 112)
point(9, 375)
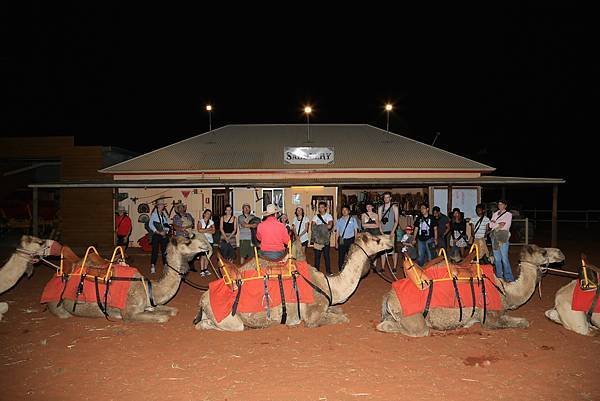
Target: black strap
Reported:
point(346, 226)
point(150, 294)
point(483, 294)
point(494, 284)
point(457, 295)
point(478, 224)
point(295, 285)
point(106, 296)
point(283, 306)
point(321, 218)
point(317, 289)
point(237, 297)
point(300, 225)
point(590, 311)
point(385, 212)
point(79, 291)
point(98, 299)
point(472, 296)
point(428, 302)
point(65, 279)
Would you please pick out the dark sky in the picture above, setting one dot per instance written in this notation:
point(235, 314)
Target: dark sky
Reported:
point(512, 88)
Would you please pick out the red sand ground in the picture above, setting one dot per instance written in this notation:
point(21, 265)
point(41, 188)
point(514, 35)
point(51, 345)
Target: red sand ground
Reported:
point(44, 358)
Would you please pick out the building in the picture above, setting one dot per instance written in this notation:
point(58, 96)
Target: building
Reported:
point(297, 165)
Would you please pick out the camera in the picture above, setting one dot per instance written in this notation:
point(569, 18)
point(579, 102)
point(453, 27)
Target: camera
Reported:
point(384, 220)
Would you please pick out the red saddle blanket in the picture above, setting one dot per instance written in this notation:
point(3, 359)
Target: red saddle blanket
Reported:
point(117, 292)
point(413, 299)
point(582, 300)
point(252, 300)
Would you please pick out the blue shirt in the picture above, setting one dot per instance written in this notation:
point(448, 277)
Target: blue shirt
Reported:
point(155, 218)
point(352, 225)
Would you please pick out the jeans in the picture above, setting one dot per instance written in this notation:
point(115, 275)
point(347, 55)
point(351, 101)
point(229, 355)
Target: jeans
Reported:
point(325, 252)
point(157, 240)
point(503, 269)
point(272, 255)
point(343, 249)
point(424, 248)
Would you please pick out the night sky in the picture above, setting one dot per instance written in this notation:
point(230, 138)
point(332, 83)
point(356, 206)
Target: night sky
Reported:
point(511, 88)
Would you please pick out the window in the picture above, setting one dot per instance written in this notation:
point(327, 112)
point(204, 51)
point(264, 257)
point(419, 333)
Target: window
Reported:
point(274, 196)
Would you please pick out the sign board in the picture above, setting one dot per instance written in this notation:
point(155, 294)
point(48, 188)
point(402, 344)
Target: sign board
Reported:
point(308, 155)
point(463, 198)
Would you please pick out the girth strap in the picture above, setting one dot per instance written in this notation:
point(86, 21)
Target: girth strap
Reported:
point(79, 291)
point(266, 296)
point(428, 302)
point(472, 296)
point(590, 311)
point(283, 306)
point(457, 295)
point(237, 297)
point(150, 297)
point(99, 300)
point(483, 294)
point(295, 285)
point(65, 279)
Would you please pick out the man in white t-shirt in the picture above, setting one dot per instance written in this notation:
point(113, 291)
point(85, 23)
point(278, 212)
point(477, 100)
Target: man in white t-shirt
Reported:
point(480, 229)
point(500, 224)
point(321, 226)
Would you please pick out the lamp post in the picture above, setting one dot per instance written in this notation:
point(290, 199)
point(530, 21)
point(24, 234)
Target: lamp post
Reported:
point(307, 111)
point(388, 108)
point(209, 109)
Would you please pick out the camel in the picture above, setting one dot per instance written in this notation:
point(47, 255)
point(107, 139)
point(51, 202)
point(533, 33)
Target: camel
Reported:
point(316, 314)
point(515, 294)
point(21, 262)
point(138, 307)
point(578, 321)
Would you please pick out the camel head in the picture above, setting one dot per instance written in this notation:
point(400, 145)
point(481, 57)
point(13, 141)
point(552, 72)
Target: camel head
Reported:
point(37, 248)
point(539, 256)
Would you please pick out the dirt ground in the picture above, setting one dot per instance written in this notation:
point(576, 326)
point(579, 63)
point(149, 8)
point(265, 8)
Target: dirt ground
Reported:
point(44, 358)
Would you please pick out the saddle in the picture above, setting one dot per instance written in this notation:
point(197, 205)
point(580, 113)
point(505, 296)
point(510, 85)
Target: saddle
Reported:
point(250, 270)
point(418, 275)
point(589, 275)
point(95, 265)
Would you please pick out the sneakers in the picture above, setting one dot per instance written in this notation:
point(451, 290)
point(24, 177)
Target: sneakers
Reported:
point(152, 269)
point(204, 272)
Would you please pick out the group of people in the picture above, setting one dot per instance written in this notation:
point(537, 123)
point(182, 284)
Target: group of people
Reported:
point(271, 234)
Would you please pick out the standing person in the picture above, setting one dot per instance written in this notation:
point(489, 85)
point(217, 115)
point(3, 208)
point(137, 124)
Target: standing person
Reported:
point(459, 237)
point(407, 243)
point(426, 234)
point(228, 229)
point(500, 226)
point(388, 222)
point(346, 229)
point(283, 219)
point(159, 225)
point(480, 231)
point(370, 220)
point(300, 226)
point(246, 246)
point(123, 227)
point(206, 226)
point(183, 222)
point(442, 222)
point(320, 228)
point(272, 234)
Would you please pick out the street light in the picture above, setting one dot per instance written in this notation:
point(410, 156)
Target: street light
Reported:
point(388, 108)
point(307, 111)
point(209, 109)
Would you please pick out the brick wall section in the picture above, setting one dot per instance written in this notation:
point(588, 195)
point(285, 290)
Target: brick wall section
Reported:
point(34, 147)
point(87, 217)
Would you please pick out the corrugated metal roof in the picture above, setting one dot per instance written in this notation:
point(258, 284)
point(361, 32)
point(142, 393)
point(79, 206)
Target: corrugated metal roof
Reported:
point(261, 147)
point(345, 182)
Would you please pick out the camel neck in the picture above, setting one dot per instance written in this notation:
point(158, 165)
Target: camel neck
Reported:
point(12, 270)
point(344, 284)
point(166, 287)
point(519, 291)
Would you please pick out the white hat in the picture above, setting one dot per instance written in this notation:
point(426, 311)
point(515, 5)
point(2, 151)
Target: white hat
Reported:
point(271, 209)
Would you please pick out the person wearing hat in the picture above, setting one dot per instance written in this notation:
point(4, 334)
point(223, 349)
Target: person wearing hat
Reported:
point(183, 222)
point(500, 226)
point(246, 246)
point(272, 234)
point(123, 227)
point(159, 225)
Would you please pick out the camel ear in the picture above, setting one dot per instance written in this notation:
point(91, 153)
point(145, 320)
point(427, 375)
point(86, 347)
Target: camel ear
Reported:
point(174, 241)
point(26, 239)
point(530, 250)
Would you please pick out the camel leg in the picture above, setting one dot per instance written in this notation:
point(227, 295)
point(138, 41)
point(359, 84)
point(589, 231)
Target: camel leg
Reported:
point(332, 318)
point(335, 309)
point(147, 317)
point(394, 322)
point(505, 322)
point(562, 314)
point(207, 322)
point(171, 311)
point(58, 311)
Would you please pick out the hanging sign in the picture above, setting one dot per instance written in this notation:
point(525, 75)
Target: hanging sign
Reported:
point(308, 155)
